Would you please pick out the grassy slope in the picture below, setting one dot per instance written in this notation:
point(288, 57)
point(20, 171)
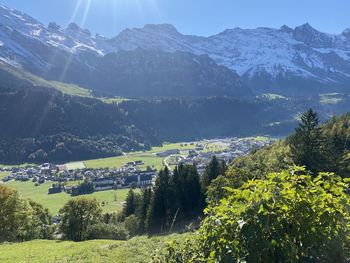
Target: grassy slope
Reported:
point(66, 88)
point(139, 249)
point(70, 89)
point(56, 201)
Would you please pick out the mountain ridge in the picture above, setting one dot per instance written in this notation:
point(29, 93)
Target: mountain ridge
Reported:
point(285, 60)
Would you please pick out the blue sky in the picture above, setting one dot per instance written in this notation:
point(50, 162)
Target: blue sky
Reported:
point(200, 17)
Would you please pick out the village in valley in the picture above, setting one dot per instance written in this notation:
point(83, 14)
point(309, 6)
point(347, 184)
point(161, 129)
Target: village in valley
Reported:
point(134, 173)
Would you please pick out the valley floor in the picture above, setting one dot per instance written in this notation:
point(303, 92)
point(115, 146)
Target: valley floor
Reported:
point(135, 250)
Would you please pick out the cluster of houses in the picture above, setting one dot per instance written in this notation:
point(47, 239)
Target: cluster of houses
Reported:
point(39, 173)
point(230, 149)
point(101, 179)
point(130, 174)
point(108, 181)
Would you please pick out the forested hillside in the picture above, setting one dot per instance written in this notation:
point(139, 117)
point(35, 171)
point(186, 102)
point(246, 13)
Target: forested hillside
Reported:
point(40, 123)
point(53, 121)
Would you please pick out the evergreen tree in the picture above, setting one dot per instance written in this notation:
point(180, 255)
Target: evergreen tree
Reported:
point(142, 208)
point(163, 203)
point(212, 171)
point(130, 204)
point(306, 143)
point(187, 188)
point(178, 181)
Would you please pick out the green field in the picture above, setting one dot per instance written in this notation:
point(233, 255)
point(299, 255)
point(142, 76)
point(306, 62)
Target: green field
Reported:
point(75, 165)
point(15, 165)
point(3, 174)
point(149, 157)
point(114, 100)
point(113, 199)
point(112, 162)
point(136, 250)
point(215, 147)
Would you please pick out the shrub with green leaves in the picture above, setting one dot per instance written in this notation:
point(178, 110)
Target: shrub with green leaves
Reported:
point(285, 217)
point(22, 219)
point(77, 216)
point(107, 231)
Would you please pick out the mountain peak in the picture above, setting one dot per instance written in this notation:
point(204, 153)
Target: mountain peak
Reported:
point(74, 29)
point(53, 26)
point(305, 28)
point(346, 33)
point(168, 28)
point(286, 29)
point(311, 36)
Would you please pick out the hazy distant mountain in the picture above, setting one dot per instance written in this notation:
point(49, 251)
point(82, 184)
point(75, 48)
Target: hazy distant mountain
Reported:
point(73, 56)
point(287, 61)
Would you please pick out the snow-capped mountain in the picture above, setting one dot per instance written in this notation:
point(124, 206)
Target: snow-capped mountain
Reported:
point(283, 60)
point(264, 57)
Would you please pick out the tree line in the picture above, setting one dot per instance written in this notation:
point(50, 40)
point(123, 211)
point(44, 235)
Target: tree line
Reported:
point(176, 198)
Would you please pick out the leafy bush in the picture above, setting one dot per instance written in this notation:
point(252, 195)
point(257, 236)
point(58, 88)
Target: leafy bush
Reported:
point(285, 217)
point(77, 216)
point(132, 224)
point(22, 219)
point(107, 231)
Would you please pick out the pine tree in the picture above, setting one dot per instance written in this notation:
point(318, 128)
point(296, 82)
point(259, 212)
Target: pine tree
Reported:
point(212, 171)
point(143, 206)
point(163, 203)
point(193, 193)
point(130, 204)
point(187, 188)
point(306, 143)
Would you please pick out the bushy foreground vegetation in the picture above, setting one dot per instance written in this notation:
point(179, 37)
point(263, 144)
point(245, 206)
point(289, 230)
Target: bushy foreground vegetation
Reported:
point(289, 216)
point(22, 219)
point(263, 211)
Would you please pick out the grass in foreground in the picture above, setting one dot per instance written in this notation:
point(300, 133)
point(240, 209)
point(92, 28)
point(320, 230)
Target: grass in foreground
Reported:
point(113, 199)
point(136, 250)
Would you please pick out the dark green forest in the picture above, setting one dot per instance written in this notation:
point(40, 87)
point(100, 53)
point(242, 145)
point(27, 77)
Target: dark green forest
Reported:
point(44, 125)
point(40, 124)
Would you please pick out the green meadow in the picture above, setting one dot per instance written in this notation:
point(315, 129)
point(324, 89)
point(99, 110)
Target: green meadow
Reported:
point(111, 201)
point(135, 250)
point(148, 157)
